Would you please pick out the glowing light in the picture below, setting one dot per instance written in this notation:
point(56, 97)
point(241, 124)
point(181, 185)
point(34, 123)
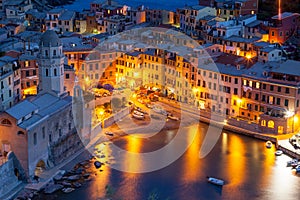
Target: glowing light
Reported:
point(248, 56)
point(279, 9)
point(239, 101)
point(289, 114)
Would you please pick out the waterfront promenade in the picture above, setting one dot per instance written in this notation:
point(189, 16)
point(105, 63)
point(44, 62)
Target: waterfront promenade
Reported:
point(175, 108)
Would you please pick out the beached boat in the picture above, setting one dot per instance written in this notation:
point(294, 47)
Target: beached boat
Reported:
point(68, 190)
point(278, 153)
point(136, 116)
point(173, 117)
point(109, 133)
point(215, 181)
point(268, 144)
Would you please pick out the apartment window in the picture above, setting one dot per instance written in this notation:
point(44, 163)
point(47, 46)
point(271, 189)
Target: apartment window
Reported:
point(256, 96)
point(82, 67)
point(257, 85)
point(34, 139)
point(204, 73)
point(236, 80)
point(215, 76)
point(264, 86)
point(278, 101)
point(273, 33)
point(270, 124)
point(287, 90)
point(263, 123)
point(286, 102)
point(27, 73)
point(263, 98)
point(67, 76)
point(297, 104)
point(271, 87)
point(235, 91)
point(210, 75)
point(91, 67)
point(278, 89)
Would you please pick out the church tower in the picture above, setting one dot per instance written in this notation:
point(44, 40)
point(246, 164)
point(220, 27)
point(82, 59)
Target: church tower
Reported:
point(51, 64)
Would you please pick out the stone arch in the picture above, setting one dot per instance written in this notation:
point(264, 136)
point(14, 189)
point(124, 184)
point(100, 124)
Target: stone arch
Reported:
point(39, 167)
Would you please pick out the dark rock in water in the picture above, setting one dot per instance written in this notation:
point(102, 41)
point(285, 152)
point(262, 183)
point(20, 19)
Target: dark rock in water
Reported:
point(79, 171)
point(86, 175)
point(58, 177)
point(52, 188)
point(97, 164)
point(65, 183)
point(73, 178)
point(76, 185)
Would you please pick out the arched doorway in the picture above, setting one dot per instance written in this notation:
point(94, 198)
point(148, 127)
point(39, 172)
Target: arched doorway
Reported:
point(40, 167)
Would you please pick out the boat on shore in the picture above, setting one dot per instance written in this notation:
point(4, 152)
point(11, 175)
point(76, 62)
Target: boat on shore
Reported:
point(137, 116)
point(268, 144)
point(68, 190)
point(215, 181)
point(278, 153)
point(109, 133)
point(172, 117)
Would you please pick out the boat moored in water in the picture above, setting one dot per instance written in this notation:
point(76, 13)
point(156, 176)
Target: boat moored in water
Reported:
point(278, 153)
point(215, 181)
point(268, 144)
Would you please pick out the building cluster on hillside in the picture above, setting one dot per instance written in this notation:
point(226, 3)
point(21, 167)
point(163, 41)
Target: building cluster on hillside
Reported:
point(217, 56)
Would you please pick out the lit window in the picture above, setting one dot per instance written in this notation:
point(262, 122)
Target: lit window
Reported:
point(257, 85)
point(250, 83)
point(270, 124)
point(263, 122)
point(245, 82)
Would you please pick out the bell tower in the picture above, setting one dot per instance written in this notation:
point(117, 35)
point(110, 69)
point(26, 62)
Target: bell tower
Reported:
point(51, 64)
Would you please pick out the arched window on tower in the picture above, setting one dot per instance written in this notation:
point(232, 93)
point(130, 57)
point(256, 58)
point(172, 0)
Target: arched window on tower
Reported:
point(47, 72)
point(46, 52)
point(55, 72)
point(54, 52)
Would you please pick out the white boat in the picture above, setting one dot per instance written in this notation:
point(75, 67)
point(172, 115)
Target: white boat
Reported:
point(278, 153)
point(138, 116)
point(268, 144)
point(67, 190)
point(173, 117)
point(138, 113)
point(292, 163)
point(109, 133)
point(215, 181)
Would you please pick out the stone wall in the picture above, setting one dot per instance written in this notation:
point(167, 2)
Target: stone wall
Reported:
point(8, 179)
point(65, 147)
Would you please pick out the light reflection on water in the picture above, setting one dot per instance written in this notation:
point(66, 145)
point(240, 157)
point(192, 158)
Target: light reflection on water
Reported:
point(251, 171)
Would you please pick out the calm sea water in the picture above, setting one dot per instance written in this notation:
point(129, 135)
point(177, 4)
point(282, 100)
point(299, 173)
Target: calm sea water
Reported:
point(161, 4)
point(251, 171)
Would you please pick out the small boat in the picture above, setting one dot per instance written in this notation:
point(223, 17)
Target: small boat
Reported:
point(109, 133)
point(136, 112)
point(292, 163)
point(140, 117)
point(278, 153)
point(297, 169)
point(268, 144)
point(215, 181)
point(67, 190)
point(173, 117)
